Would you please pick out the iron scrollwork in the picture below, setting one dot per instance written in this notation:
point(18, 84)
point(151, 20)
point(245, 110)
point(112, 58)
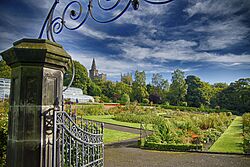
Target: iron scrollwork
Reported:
point(54, 25)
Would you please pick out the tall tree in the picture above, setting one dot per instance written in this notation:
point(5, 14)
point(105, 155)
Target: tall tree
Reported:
point(139, 89)
point(94, 90)
point(194, 93)
point(236, 96)
point(159, 88)
point(217, 88)
point(140, 77)
point(178, 88)
point(198, 92)
point(159, 82)
point(81, 79)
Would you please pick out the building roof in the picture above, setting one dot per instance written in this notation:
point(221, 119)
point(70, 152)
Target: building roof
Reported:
point(76, 95)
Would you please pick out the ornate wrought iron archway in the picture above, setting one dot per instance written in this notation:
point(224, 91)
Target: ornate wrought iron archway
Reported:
point(55, 24)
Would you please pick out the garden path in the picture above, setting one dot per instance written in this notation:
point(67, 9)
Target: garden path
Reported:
point(135, 157)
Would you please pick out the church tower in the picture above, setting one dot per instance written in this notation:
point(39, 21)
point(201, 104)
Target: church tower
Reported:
point(93, 72)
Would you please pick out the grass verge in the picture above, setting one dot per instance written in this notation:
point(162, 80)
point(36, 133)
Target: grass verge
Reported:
point(112, 136)
point(231, 141)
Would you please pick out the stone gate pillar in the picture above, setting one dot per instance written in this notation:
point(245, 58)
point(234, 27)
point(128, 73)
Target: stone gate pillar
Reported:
point(37, 67)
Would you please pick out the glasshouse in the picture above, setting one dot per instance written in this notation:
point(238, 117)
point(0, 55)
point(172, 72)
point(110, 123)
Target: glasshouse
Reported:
point(75, 95)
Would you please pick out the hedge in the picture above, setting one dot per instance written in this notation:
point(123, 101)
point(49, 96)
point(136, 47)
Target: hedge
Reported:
point(194, 109)
point(172, 147)
point(246, 132)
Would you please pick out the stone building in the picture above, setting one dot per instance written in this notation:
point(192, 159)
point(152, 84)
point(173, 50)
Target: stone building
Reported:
point(94, 74)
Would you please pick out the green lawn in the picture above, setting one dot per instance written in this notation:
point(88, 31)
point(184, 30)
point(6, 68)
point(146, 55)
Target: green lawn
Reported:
point(108, 119)
point(231, 140)
point(111, 136)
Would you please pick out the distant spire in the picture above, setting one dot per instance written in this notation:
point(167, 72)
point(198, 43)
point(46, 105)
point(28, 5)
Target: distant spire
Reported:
point(93, 64)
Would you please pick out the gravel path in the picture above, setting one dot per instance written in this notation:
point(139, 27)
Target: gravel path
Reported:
point(135, 157)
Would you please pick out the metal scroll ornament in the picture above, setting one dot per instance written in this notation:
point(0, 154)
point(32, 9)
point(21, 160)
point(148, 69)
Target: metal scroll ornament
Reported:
point(79, 11)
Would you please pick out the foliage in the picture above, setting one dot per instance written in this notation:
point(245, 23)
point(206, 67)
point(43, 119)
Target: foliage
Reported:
point(179, 127)
point(236, 96)
point(81, 79)
point(94, 90)
point(3, 131)
point(178, 88)
point(139, 89)
point(145, 101)
point(109, 119)
point(139, 92)
point(194, 109)
point(5, 70)
point(158, 90)
point(135, 118)
point(125, 99)
point(134, 114)
point(172, 147)
point(140, 78)
point(82, 110)
point(159, 83)
point(163, 132)
point(121, 89)
point(127, 79)
point(198, 92)
point(246, 132)
point(217, 88)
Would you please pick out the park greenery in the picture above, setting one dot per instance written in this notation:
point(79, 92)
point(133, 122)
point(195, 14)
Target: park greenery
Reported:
point(3, 130)
point(172, 129)
point(246, 132)
point(185, 91)
point(183, 113)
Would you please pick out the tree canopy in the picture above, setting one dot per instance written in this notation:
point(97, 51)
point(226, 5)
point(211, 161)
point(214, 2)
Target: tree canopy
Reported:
point(190, 91)
point(178, 88)
point(5, 70)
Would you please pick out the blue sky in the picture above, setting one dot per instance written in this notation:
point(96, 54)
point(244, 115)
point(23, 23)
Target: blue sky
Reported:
point(207, 38)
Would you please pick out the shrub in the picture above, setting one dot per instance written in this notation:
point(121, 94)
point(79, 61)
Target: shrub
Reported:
point(145, 101)
point(4, 108)
point(194, 109)
point(164, 130)
point(105, 99)
point(125, 99)
point(172, 147)
point(86, 109)
point(183, 104)
point(135, 118)
point(246, 132)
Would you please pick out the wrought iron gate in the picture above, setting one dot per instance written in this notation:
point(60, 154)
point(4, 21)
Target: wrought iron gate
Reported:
point(77, 142)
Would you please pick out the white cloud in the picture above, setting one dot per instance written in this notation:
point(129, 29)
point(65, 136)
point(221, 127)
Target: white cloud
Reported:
point(220, 26)
point(222, 34)
point(215, 7)
point(180, 50)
